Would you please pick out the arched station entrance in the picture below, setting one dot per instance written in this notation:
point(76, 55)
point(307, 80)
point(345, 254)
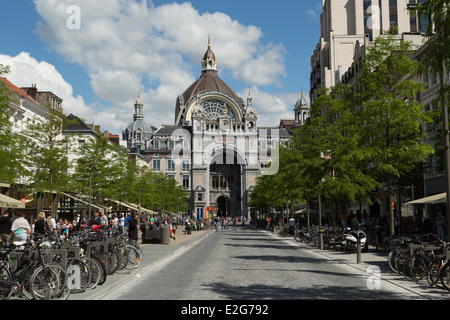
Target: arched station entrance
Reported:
point(226, 183)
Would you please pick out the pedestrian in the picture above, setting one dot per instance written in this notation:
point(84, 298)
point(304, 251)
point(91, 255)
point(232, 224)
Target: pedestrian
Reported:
point(133, 228)
point(143, 224)
point(354, 222)
point(122, 222)
point(39, 225)
point(291, 224)
point(115, 222)
point(440, 227)
point(216, 223)
point(5, 227)
point(50, 223)
point(175, 222)
point(20, 228)
point(104, 220)
point(95, 221)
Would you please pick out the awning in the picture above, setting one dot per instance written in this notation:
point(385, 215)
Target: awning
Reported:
point(8, 202)
point(131, 206)
point(437, 198)
point(85, 202)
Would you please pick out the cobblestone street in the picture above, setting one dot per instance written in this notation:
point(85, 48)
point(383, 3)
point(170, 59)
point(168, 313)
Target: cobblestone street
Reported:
point(254, 264)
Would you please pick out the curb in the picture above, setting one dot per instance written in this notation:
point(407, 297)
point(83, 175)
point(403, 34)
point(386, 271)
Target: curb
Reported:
point(111, 291)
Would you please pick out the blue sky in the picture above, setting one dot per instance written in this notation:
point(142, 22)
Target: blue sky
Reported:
point(155, 47)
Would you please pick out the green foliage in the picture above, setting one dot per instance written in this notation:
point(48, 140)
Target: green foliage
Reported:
point(48, 160)
point(12, 152)
point(437, 14)
point(355, 140)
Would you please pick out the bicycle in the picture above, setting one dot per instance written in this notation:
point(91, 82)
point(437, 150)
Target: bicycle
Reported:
point(33, 277)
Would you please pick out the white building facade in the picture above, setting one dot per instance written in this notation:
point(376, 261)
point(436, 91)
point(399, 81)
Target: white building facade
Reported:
point(215, 149)
point(343, 23)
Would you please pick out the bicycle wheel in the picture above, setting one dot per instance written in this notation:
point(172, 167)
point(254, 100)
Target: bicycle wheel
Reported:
point(445, 276)
point(407, 272)
point(113, 259)
point(133, 255)
point(5, 274)
point(95, 272)
point(434, 273)
point(103, 271)
point(418, 268)
point(79, 275)
point(400, 260)
point(391, 261)
point(50, 282)
point(123, 257)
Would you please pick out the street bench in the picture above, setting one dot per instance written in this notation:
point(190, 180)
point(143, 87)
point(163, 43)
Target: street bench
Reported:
point(152, 236)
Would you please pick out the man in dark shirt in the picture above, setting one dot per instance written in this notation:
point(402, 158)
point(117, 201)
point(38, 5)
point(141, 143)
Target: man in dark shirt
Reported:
point(5, 227)
point(133, 228)
point(95, 219)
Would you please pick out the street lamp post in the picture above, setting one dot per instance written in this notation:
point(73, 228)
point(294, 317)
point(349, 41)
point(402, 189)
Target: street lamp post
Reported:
point(90, 196)
point(320, 223)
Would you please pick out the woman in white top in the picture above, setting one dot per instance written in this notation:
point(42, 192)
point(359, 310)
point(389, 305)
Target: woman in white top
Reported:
point(21, 228)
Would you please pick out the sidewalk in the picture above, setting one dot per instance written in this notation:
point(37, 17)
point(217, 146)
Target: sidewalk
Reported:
point(378, 259)
point(154, 255)
point(181, 237)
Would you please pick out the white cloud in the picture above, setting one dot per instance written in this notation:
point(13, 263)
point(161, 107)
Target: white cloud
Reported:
point(26, 70)
point(129, 45)
point(272, 107)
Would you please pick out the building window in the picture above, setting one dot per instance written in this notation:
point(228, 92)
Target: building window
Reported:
point(157, 165)
point(215, 182)
point(170, 165)
point(156, 144)
point(200, 197)
point(185, 181)
point(185, 165)
point(223, 183)
point(393, 15)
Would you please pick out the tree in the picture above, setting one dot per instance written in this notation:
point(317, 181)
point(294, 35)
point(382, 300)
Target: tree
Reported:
point(390, 116)
point(437, 14)
point(48, 159)
point(97, 170)
point(12, 153)
point(331, 162)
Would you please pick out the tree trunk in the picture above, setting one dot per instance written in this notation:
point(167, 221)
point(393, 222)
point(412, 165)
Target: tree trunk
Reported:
point(443, 78)
point(391, 208)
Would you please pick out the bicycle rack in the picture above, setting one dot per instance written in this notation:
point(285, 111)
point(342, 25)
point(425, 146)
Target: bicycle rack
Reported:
point(414, 247)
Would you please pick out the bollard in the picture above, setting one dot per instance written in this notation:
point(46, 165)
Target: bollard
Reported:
point(358, 249)
point(321, 240)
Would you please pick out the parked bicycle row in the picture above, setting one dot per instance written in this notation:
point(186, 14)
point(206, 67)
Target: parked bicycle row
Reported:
point(53, 267)
point(422, 258)
point(332, 238)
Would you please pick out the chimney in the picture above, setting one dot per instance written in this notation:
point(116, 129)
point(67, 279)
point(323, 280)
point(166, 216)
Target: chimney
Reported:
point(31, 91)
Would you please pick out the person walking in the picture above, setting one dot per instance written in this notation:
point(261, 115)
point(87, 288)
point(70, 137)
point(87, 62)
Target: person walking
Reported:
point(440, 227)
point(291, 224)
point(133, 228)
point(5, 227)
